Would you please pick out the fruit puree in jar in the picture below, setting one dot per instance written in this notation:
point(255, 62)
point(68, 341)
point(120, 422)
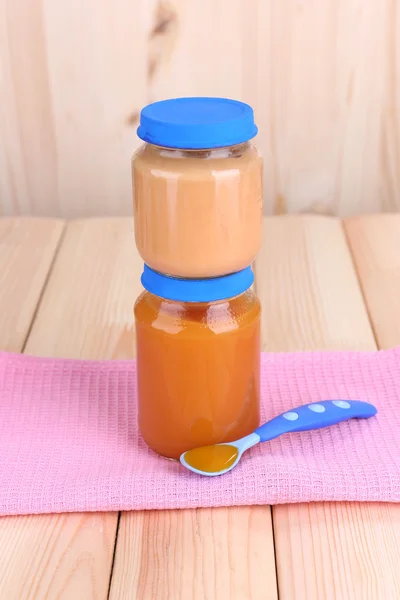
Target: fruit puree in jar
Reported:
point(197, 187)
point(198, 369)
point(198, 213)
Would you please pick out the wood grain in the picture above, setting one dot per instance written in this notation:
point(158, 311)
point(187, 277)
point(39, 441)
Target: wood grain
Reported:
point(323, 78)
point(314, 64)
point(195, 554)
point(73, 81)
point(375, 244)
point(305, 279)
point(56, 556)
point(86, 312)
point(27, 249)
point(187, 61)
point(341, 551)
point(311, 300)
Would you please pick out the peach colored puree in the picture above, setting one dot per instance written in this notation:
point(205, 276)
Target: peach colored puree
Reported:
point(198, 213)
point(198, 368)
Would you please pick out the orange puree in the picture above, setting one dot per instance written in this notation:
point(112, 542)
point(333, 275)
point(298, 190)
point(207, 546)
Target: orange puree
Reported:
point(198, 213)
point(212, 459)
point(198, 368)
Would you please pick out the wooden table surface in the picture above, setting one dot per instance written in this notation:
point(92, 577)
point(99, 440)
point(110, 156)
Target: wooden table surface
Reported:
point(67, 290)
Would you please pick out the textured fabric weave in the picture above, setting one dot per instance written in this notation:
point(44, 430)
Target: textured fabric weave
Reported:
point(69, 439)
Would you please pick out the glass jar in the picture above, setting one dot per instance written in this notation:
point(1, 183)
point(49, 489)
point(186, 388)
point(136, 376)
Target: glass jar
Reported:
point(198, 361)
point(197, 187)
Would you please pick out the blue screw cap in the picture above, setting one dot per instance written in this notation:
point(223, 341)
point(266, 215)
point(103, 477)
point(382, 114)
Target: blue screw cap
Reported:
point(197, 123)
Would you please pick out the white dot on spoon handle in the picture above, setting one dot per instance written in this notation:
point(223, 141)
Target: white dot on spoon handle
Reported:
point(318, 408)
point(291, 416)
point(341, 403)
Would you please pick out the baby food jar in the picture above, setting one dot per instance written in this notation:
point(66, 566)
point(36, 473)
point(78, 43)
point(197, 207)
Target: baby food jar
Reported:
point(198, 360)
point(197, 187)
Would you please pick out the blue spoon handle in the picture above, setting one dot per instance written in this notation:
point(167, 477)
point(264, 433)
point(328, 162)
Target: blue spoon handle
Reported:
point(315, 416)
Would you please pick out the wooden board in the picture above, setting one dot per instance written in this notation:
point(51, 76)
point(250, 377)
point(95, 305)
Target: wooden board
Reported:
point(311, 300)
point(87, 309)
point(195, 554)
point(309, 292)
point(375, 245)
point(27, 251)
point(73, 81)
point(64, 556)
point(323, 78)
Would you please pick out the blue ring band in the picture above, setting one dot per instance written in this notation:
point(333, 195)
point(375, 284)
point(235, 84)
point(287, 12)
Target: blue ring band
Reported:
point(197, 290)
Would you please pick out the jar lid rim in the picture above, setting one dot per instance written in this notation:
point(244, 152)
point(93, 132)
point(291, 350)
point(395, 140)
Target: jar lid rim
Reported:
point(197, 122)
point(197, 290)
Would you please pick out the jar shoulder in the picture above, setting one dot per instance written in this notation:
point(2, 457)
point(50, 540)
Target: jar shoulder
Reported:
point(232, 313)
point(149, 157)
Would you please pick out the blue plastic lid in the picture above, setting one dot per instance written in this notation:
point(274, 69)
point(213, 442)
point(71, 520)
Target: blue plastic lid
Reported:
point(191, 123)
point(197, 290)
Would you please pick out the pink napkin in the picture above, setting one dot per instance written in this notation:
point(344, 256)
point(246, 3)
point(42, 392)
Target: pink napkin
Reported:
point(69, 440)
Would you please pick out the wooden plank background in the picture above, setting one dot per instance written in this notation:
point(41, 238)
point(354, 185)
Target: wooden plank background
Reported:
point(323, 77)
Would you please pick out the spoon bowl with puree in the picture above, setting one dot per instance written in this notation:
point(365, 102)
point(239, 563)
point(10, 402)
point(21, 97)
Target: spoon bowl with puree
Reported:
point(221, 458)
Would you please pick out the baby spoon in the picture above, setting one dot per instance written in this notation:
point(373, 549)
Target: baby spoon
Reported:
point(221, 458)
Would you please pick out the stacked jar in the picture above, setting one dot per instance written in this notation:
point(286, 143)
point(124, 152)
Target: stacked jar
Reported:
point(197, 188)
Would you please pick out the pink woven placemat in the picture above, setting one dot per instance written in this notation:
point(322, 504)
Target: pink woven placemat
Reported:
point(69, 439)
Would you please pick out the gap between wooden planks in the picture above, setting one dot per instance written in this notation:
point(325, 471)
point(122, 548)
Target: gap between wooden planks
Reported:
point(86, 312)
point(311, 300)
